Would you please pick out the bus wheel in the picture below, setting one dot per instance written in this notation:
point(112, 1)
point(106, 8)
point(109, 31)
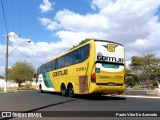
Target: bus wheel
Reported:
point(40, 89)
point(119, 93)
point(63, 90)
point(71, 90)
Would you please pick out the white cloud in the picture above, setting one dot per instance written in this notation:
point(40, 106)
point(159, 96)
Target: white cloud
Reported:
point(130, 22)
point(140, 42)
point(69, 20)
point(46, 6)
point(127, 63)
point(69, 38)
point(48, 23)
point(35, 53)
point(99, 4)
point(2, 68)
point(38, 53)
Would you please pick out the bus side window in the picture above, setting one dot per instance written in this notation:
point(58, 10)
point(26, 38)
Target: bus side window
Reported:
point(67, 60)
point(76, 56)
point(56, 64)
point(71, 58)
point(61, 62)
point(82, 55)
point(86, 53)
point(42, 69)
point(53, 65)
point(49, 66)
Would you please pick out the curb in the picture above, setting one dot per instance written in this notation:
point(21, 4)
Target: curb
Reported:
point(138, 96)
point(9, 92)
point(123, 95)
point(15, 91)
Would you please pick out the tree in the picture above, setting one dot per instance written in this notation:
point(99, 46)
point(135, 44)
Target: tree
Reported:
point(20, 72)
point(1, 77)
point(131, 79)
point(150, 66)
point(136, 61)
point(82, 42)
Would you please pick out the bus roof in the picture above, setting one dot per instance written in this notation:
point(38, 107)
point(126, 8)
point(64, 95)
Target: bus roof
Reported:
point(81, 46)
point(107, 41)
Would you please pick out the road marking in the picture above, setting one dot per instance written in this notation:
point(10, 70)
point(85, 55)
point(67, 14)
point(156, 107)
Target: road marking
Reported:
point(143, 97)
point(137, 96)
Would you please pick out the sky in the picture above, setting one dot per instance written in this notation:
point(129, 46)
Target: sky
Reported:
point(54, 26)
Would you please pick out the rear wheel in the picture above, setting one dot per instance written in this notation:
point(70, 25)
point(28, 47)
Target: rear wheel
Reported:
point(40, 89)
point(71, 90)
point(119, 93)
point(63, 90)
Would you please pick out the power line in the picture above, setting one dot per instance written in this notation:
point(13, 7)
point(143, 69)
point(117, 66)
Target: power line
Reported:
point(26, 55)
point(13, 14)
point(20, 18)
point(15, 48)
point(4, 16)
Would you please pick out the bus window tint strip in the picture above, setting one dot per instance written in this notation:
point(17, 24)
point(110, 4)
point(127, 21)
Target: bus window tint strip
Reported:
point(74, 57)
point(110, 65)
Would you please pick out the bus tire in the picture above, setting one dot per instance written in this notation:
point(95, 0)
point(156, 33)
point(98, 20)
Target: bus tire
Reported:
point(40, 89)
point(119, 93)
point(71, 91)
point(63, 90)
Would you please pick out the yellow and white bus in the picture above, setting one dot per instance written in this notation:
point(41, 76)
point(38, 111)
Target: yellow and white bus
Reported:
point(97, 66)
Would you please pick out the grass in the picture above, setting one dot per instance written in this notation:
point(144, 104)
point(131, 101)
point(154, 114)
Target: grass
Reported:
point(1, 89)
point(142, 87)
point(155, 91)
point(27, 87)
point(22, 87)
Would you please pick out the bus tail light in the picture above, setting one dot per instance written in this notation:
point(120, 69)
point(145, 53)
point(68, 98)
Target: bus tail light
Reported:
point(93, 77)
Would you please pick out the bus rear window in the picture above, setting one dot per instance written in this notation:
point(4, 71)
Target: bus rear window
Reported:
point(106, 65)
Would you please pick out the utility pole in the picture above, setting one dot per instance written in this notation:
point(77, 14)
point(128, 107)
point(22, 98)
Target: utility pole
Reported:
point(6, 65)
point(6, 59)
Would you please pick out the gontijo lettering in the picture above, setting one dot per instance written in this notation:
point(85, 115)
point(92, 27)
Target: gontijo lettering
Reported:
point(110, 59)
point(60, 73)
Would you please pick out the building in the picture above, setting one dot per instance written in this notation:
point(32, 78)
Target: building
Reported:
point(9, 83)
point(12, 84)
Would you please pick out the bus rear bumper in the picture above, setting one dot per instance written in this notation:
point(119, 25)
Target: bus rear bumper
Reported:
point(107, 89)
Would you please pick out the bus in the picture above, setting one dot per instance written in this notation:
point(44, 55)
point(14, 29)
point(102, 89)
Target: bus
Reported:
point(97, 66)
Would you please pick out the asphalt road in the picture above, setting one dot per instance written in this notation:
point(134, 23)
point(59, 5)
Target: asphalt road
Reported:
point(33, 101)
